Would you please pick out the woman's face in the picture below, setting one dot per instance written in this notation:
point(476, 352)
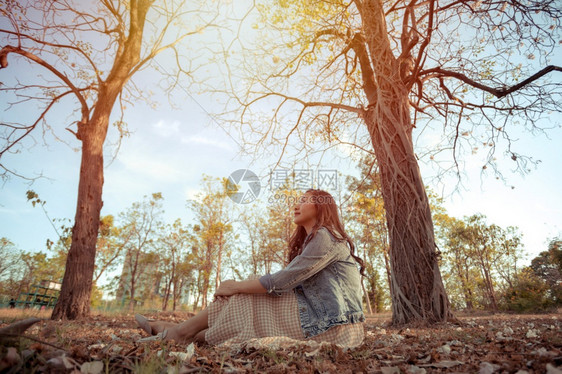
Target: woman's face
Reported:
point(305, 211)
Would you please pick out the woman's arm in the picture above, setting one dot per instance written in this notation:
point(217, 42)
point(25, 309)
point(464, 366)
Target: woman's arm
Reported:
point(316, 255)
point(231, 287)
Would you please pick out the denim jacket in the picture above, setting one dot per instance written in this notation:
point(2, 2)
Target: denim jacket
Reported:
point(326, 282)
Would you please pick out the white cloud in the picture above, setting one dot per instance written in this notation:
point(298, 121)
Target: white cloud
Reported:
point(190, 193)
point(166, 129)
point(198, 139)
point(147, 165)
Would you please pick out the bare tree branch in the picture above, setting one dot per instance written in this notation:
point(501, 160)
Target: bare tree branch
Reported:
point(498, 92)
point(10, 49)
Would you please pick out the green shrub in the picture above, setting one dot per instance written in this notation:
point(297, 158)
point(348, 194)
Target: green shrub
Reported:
point(527, 293)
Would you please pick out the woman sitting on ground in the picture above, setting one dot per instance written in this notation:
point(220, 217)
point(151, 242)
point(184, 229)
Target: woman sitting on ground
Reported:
point(316, 296)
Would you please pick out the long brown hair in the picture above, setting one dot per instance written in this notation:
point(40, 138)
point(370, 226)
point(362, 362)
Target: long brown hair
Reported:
point(326, 216)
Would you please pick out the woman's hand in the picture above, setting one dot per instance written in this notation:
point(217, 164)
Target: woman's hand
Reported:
point(231, 287)
point(227, 288)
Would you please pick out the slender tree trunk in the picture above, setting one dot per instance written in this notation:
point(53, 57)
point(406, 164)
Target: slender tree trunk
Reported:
point(417, 290)
point(132, 299)
point(134, 278)
point(485, 272)
point(464, 285)
point(491, 291)
point(198, 289)
point(204, 298)
point(367, 298)
point(168, 290)
point(490, 283)
point(386, 256)
point(178, 287)
point(165, 299)
point(219, 261)
point(196, 301)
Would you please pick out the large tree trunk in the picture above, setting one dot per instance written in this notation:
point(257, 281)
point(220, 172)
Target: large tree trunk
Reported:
point(74, 299)
point(417, 290)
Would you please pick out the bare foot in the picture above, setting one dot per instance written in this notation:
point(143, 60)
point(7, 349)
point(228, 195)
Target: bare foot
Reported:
point(159, 326)
point(174, 334)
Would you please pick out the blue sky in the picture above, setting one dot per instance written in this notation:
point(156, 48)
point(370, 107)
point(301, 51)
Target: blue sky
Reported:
point(170, 150)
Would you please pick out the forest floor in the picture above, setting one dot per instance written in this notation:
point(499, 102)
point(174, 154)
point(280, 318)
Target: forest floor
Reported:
point(495, 343)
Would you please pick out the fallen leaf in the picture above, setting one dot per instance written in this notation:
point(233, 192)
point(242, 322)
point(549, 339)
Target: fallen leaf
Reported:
point(551, 369)
point(390, 370)
point(487, 368)
point(445, 349)
point(96, 346)
point(442, 364)
point(62, 362)
point(413, 369)
point(531, 333)
point(312, 353)
point(10, 359)
point(93, 367)
point(117, 349)
point(190, 350)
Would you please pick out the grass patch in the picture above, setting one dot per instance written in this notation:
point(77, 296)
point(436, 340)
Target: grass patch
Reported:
point(8, 315)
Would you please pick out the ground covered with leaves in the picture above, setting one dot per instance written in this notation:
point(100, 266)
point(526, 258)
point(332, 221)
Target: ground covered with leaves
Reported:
point(110, 344)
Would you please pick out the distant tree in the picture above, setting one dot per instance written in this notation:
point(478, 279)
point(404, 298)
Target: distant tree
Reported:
point(184, 278)
point(548, 267)
point(84, 56)
point(9, 255)
point(280, 226)
point(38, 266)
point(526, 293)
point(366, 220)
point(263, 239)
point(214, 228)
point(140, 225)
point(461, 274)
point(480, 258)
point(253, 240)
point(11, 267)
point(109, 246)
point(175, 261)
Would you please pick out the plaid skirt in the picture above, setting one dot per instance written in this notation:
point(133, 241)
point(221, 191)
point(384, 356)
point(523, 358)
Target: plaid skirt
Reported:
point(242, 317)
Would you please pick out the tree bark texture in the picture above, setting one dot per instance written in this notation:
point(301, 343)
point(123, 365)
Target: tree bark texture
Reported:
point(417, 291)
point(74, 299)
